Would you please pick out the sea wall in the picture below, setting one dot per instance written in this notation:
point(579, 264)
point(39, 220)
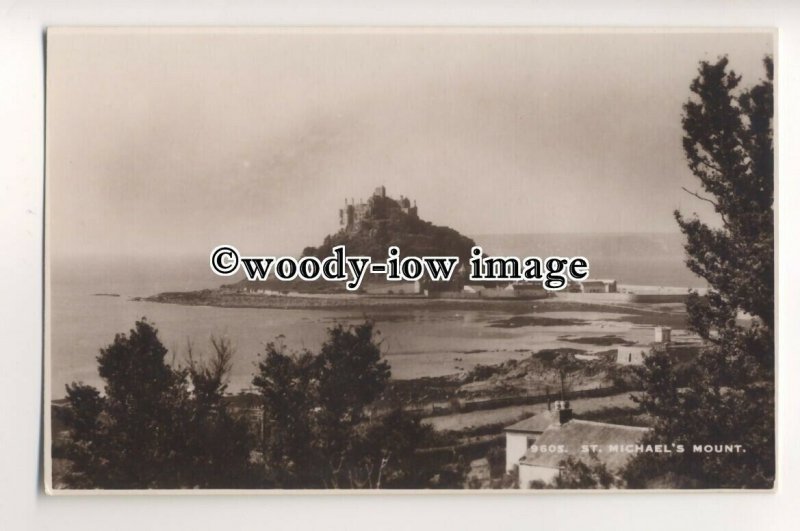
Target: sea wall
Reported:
point(595, 297)
point(489, 294)
point(648, 298)
point(659, 297)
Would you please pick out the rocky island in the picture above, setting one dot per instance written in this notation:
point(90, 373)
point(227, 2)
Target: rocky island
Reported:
point(367, 228)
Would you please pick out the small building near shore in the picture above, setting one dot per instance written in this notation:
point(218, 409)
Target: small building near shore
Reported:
point(538, 445)
point(515, 290)
point(521, 435)
point(632, 354)
point(663, 334)
point(615, 444)
point(394, 288)
point(594, 285)
point(433, 288)
point(473, 288)
point(529, 290)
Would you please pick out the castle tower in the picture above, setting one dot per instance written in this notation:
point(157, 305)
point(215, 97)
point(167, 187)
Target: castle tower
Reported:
point(353, 214)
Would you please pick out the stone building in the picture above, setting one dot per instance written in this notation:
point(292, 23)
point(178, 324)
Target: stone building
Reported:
point(596, 285)
point(376, 207)
point(539, 444)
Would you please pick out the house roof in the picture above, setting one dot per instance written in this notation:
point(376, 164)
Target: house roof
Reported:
point(575, 433)
point(535, 424)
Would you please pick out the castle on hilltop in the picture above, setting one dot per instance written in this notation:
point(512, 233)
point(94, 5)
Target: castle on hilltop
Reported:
point(376, 207)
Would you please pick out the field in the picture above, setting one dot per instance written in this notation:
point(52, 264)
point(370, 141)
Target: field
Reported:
point(509, 415)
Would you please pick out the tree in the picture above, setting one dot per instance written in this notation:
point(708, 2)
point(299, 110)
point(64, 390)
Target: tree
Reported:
point(287, 385)
point(150, 428)
point(576, 474)
point(728, 393)
point(82, 417)
point(318, 431)
point(350, 375)
point(386, 449)
point(218, 441)
point(562, 363)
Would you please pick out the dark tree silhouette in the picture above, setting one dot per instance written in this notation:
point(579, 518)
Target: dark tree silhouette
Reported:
point(159, 426)
point(287, 386)
point(155, 426)
point(350, 376)
point(727, 395)
point(318, 432)
point(576, 474)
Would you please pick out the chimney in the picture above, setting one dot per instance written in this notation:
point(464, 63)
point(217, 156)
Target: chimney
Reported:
point(564, 411)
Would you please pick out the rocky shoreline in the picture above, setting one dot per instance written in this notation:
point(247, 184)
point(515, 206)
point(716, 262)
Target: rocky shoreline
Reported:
point(644, 314)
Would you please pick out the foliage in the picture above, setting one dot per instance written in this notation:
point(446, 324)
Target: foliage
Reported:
point(727, 395)
point(386, 450)
point(482, 372)
point(318, 432)
point(563, 364)
point(576, 474)
point(158, 426)
point(286, 384)
point(155, 426)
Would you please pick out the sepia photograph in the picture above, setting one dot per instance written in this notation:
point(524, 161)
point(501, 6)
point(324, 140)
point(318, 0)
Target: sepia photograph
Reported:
point(374, 259)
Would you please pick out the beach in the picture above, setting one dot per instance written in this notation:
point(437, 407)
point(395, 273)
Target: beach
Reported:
point(420, 337)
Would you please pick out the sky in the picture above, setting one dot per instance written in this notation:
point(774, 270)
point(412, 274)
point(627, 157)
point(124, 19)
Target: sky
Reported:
point(174, 142)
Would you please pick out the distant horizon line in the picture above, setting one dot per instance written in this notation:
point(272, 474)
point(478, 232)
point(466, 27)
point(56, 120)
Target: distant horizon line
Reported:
point(572, 233)
point(88, 255)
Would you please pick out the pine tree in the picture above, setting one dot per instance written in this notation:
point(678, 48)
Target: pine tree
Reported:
point(727, 395)
point(151, 428)
point(318, 430)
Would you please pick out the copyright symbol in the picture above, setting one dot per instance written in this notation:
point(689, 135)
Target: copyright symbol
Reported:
point(225, 260)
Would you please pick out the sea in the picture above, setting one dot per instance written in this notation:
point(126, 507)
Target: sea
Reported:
point(91, 300)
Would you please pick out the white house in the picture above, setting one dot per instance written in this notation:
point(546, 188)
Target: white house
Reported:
point(542, 462)
point(632, 354)
point(663, 334)
point(521, 435)
point(540, 443)
point(598, 285)
point(635, 354)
